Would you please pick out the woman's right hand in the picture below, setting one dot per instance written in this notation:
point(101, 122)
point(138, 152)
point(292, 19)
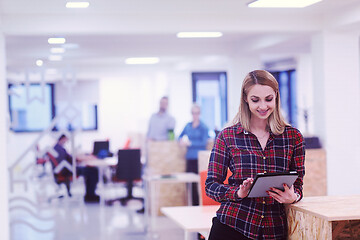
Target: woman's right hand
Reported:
point(245, 187)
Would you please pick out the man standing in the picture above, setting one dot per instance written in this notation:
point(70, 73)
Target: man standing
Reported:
point(161, 122)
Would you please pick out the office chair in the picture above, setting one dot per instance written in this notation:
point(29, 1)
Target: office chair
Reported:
point(128, 169)
point(204, 199)
point(62, 171)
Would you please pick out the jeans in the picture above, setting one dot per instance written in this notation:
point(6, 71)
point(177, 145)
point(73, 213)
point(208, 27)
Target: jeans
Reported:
point(91, 175)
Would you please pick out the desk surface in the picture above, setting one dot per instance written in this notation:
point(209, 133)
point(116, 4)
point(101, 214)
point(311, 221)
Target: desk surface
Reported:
point(174, 177)
point(192, 218)
point(331, 208)
point(100, 162)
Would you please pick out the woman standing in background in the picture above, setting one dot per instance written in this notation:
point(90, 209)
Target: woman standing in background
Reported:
point(194, 137)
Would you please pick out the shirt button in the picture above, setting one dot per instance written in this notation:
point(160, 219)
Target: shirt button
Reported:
point(264, 158)
point(262, 216)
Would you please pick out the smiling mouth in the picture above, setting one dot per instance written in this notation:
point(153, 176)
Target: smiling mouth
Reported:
point(263, 112)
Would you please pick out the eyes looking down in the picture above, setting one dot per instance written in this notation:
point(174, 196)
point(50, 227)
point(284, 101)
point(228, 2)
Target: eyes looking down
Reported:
point(255, 99)
point(260, 93)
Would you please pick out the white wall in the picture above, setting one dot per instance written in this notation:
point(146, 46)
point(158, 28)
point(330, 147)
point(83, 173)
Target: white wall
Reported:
point(240, 66)
point(126, 102)
point(4, 208)
point(338, 69)
point(305, 95)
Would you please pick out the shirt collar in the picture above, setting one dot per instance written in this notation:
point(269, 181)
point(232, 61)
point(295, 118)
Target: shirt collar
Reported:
point(240, 129)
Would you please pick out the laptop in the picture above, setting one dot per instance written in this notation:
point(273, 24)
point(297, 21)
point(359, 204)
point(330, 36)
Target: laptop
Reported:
point(101, 149)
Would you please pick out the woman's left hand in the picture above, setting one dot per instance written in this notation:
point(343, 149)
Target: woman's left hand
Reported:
point(286, 196)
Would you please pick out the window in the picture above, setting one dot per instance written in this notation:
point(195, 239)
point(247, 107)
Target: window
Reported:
point(210, 92)
point(79, 115)
point(287, 87)
point(31, 106)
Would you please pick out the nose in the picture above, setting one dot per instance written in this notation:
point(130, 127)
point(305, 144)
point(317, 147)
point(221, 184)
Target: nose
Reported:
point(262, 105)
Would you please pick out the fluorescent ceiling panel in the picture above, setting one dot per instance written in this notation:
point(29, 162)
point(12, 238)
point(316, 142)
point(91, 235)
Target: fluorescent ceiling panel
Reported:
point(56, 40)
point(142, 60)
point(282, 3)
point(77, 4)
point(199, 34)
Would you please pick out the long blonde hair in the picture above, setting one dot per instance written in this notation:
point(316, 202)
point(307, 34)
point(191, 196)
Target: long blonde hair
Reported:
point(276, 122)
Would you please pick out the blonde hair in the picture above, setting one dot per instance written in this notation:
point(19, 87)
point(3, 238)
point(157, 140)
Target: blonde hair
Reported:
point(276, 122)
point(195, 106)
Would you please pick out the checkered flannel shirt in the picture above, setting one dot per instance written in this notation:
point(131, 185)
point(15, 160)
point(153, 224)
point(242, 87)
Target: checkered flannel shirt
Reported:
point(241, 152)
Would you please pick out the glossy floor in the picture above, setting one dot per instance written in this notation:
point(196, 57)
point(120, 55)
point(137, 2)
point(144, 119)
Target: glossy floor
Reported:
point(71, 219)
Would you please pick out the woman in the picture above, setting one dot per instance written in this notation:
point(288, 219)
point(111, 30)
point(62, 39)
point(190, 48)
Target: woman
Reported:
point(259, 141)
point(194, 137)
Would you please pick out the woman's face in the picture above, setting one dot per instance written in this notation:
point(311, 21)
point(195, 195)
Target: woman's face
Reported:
point(261, 100)
point(195, 112)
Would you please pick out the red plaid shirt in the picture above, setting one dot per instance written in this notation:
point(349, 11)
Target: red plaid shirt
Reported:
point(241, 152)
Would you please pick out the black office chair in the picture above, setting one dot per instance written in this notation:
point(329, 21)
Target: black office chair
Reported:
point(128, 169)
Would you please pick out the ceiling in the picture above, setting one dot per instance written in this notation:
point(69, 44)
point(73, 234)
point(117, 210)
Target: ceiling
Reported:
point(101, 37)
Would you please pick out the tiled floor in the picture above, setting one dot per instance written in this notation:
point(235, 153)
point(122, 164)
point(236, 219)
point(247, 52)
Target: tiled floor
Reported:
point(71, 219)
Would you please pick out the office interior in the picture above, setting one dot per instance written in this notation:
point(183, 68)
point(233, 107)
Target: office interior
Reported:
point(320, 42)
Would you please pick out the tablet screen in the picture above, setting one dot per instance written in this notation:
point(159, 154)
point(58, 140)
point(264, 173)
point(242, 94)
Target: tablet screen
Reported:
point(264, 181)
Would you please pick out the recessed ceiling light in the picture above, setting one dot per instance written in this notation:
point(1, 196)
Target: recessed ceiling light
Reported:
point(199, 34)
point(142, 60)
point(282, 3)
point(55, 57)
point(77, 4)
point(57, 50)
point(39, 63)
point(56, 40)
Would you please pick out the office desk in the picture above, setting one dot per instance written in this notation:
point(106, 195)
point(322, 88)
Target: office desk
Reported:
point(192, 218)
point(327, 217)
point(151, 183)
point(102, 165)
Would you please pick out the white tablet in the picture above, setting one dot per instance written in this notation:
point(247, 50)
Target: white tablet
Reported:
point(264, 181)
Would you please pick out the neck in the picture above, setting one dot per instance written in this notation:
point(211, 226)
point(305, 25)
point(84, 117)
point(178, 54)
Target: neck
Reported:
point(257, 124)
point(195, 122)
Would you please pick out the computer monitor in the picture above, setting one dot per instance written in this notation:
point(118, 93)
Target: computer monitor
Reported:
point(101, 149)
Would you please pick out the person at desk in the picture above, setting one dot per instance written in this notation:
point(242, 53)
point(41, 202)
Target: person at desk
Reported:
point(161, 122)
point(194, 137)
point(259, 141)
point(91, 174)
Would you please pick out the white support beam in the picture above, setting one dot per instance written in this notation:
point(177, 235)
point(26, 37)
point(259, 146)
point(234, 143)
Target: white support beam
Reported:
point(4, 206)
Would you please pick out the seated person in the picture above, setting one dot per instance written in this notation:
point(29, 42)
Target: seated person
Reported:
point(91, 174)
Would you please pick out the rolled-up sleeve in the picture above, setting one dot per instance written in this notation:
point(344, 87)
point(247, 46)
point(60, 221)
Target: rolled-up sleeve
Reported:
point(298, 160)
